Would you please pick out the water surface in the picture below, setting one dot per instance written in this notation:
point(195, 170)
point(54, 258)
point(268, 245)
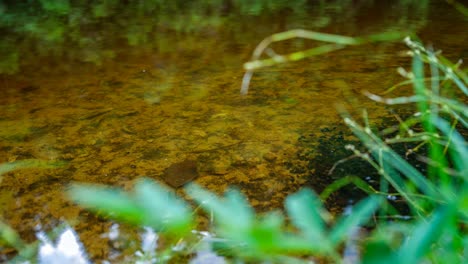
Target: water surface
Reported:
point(126, 91)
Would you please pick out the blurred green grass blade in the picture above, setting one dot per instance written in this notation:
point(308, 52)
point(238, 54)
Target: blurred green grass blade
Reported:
point(420, 242)
point(420, 90)
point(360, 214)
point(383, 37)
point(428, 114)
point(307, 213)
point(336, 42)
point(460, 7)
point(379, 252)
point(294, 56)
point(110, 201)
point(30, 163)
point(162, 208)
point(266, 234)
point(318, 36)
point(462, 200)
point(10, 236)
point(232, 212)
point(241, 209)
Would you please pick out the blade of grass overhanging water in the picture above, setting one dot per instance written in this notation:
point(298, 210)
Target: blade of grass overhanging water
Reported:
point(340, 183)
point(313, 35)
point(295, 56)
point(386, 171)
point(374, 143)
point(337, 42)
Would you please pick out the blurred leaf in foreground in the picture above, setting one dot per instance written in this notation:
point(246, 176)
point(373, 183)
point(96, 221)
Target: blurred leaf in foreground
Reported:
point(149, 205)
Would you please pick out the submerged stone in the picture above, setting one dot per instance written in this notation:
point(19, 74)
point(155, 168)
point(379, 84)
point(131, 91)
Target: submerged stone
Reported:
point(180, 173)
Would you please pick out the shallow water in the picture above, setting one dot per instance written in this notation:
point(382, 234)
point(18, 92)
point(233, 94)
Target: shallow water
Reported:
point(129, 95)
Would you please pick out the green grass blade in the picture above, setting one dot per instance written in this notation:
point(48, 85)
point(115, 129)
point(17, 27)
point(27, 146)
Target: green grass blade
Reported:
point(426, 233)
point(391, 162)
point(360, 214)
point(340, 183)
point(232, 212)
point(10, 237)
point(307, 213)
point(428, 114)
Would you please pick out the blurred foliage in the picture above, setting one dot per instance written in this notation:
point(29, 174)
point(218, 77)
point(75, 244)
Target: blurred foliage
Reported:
point(244, 234)
point(140, 207)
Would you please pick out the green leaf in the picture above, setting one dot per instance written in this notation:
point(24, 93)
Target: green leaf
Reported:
point(360, 214)
point(232, 212)
point(110, 201)
point(266, 235)
point(10, 236)
point(379, 252)
point(426, 233)
point(161, 208)
point(307, 213)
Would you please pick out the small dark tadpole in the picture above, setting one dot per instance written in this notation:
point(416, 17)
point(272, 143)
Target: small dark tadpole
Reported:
point(180, 173)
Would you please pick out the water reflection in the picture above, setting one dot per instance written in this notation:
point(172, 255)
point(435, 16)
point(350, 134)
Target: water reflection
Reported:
point(65, 33)
point(123, 90)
